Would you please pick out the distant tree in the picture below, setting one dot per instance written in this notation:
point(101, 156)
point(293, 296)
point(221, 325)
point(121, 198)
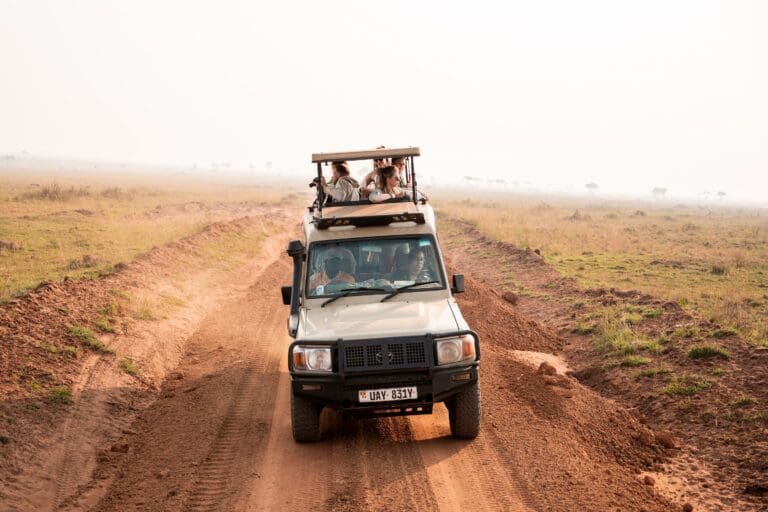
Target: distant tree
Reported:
point(592, 186)
point(659, 191)
point(721, 194)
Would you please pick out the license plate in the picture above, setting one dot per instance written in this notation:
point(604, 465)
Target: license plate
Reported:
point(388, 394)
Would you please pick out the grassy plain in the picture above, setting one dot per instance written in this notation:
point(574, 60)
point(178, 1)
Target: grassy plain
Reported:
point(707, 257)
point(83, 224)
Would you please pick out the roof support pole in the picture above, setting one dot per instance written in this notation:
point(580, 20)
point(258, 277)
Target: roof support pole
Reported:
point(413, 177)
point(320, 191)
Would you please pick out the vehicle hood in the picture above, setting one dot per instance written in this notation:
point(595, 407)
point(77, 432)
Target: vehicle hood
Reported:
point(377, 319)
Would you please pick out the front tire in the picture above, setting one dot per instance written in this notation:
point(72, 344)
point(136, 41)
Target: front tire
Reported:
point(464, 413)
point(305, 419)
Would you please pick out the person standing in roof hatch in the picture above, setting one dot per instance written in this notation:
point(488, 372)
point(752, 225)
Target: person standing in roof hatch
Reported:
point(342, 187)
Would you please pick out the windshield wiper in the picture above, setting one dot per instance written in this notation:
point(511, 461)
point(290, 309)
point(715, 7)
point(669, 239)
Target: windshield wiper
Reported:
point(413, 285)
point(347, 291)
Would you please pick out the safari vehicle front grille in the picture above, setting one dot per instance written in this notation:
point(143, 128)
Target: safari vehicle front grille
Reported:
point(385, 354)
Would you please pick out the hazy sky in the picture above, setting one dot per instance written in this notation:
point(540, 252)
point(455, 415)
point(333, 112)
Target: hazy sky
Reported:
point(630, 95)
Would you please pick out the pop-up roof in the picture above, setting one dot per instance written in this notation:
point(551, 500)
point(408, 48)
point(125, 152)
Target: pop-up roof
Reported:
point(373, 154)
point(369, 214)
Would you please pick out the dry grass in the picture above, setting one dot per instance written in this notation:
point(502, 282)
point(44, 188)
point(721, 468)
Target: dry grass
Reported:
point(708, 258)
point(83, 225)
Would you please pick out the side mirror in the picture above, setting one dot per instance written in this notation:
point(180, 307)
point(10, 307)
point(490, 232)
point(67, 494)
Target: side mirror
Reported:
point(286, 291)
point(458, 283)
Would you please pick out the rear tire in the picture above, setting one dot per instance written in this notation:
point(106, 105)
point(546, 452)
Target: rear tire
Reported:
point(464, 413)
point(305, 419)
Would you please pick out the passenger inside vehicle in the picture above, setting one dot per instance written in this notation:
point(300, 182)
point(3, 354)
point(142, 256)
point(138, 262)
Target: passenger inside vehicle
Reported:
point(336, 266)
point(415, 270)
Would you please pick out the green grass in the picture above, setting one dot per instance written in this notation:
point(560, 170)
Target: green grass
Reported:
point(653, 372)
point(717, 372)
point(104, 325)
point(88, 338)
point(653, 313)
point(716, 269)
point(51, 349)
point(60, 395)
point(120, 294)
point(688, 331)
point(661, 345)
point(146, 311)
point(743, 401)
point(708, 351)
point(583, 329)
point(686, 385)
point(112, 308)
point(129, 366)
point(69, 351)
point(723, 333)
point(634, 360)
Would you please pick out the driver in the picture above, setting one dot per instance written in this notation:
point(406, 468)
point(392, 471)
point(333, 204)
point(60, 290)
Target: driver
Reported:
point(329, 272)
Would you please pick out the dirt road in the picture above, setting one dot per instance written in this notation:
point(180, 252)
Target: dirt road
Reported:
point(219, 437)
point(215, 434)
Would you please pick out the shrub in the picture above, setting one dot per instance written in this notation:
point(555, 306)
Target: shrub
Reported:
point(718, 270)
point(707, 351)
point(56, 192)
point(743, 401)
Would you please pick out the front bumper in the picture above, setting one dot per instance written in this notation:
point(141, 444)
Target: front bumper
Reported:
point(339, 390)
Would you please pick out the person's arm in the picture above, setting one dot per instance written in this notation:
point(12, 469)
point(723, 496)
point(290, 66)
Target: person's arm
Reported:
point(368, 178)
point(377, 196)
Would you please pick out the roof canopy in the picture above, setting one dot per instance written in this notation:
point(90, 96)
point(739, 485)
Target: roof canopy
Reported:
point(373, 154)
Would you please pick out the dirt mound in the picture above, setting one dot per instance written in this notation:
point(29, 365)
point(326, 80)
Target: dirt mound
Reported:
point(496, 321)
point(197, 208)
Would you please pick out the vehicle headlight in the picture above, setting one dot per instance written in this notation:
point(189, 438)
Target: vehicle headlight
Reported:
point(312, 358)
point(454, 350)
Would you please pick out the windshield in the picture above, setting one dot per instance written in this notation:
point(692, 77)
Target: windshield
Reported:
point(379, 265)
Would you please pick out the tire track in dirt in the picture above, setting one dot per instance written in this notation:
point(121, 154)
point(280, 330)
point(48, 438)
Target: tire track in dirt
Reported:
point(465, 474)
point(73, 428)
point(207, 431)
point(212, 480)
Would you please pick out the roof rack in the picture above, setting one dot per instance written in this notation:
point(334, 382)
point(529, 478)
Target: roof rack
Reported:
point(374, 154)
point(371, 214)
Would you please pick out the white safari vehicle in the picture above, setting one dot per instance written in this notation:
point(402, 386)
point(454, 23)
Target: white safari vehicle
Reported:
point(377, 329)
